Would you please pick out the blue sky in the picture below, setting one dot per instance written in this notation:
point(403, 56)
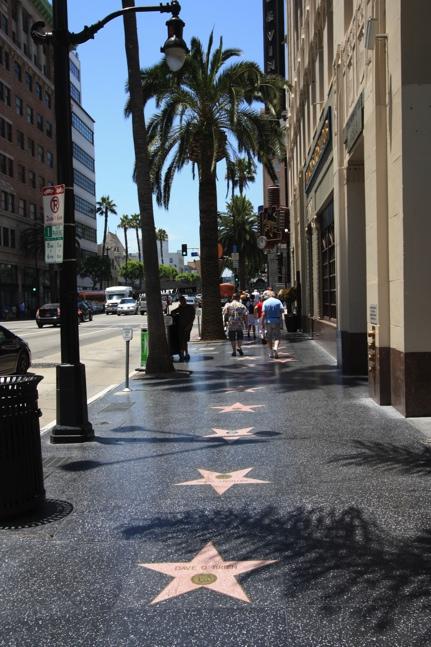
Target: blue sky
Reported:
point(104, 73)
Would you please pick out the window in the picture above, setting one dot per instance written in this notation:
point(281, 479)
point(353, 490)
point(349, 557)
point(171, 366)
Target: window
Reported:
point(47, 99)
point(30, 146)
point(19, 106)
point(41, 181)
point(4, 58)
point(84, 182)
point(39, 121)
point(5, 237)
point(28, 79)
point(7, 201)
point(4, 23)
point(18, 71)
point(85, 207)
point(29, 115)
point(32, 178)
point(75, 93)
point(327, 262)
point(8, 238)
point(22, 207)
point(12, 238)
point(50, 159)
point(82, 128)
point(21, 173)
point(83, 157)
point(48, 128)
point(6, 165)
point(38, 90)
point(88, 233)
point(5, 129)
point(74, 70)
point(32, 210)
point(20, 139)
point(40, 153)
point(4, 93)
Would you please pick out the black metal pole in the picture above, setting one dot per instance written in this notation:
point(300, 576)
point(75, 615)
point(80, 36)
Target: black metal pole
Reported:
point(72, 413)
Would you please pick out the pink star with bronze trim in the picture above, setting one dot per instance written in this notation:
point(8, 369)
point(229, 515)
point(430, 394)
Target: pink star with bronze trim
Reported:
point(238, 407)
point(231, 434)
point(206, 570)
point(223, 481)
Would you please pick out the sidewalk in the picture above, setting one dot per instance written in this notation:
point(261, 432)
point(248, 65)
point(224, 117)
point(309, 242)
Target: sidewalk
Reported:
point(250, 503)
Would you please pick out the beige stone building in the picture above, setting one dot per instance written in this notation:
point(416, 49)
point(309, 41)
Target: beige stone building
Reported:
point(359, 126)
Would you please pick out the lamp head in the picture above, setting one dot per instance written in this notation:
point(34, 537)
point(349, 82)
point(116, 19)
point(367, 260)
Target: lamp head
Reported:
point(175, 48)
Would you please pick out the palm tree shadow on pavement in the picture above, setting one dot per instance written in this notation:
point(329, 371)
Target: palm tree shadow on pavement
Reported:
point(338, 560)
point(405, 459)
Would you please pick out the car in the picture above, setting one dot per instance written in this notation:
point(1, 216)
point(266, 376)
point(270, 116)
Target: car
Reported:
point(127, 306)
point(190, 300)
point(50, 314)
point(15, 355)
point(166, 302)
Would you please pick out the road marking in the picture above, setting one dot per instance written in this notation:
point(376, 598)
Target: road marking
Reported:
point(51, 424)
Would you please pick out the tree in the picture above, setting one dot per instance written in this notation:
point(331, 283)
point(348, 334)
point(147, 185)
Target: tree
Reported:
point(98, 268)
point(239, 227)
point(135, 223)
point(190, 277)
point(239, 173)
point(204, 112)
point(159, 358)
point(132, 271)
point(125, 225)
point(161, 235)
point(104, 207)
point(168, 272)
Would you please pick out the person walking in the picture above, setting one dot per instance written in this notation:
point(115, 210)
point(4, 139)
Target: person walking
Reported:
point(272, 321)
point(235, 316)
point(183, 316)
point(251, 319)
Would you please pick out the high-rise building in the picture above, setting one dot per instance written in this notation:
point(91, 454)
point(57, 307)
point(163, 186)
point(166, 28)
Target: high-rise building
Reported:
point(27, 154)
point(359, 129)
point(83, 168)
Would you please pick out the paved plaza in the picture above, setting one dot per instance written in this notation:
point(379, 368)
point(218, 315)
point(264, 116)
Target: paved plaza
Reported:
point(245, 502)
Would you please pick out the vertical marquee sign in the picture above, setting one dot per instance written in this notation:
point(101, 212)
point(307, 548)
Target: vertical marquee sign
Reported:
point(273, 37)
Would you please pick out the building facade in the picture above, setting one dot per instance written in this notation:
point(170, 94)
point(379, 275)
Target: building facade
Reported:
point(358, 158)
point(27, 155)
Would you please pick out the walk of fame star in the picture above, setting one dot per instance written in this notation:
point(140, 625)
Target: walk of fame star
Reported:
point(231, 434)
point(223, 481)
point(232, 408)
point(206, 570)
point(243, 389)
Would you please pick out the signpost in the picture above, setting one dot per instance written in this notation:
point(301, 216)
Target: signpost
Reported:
point(53, 220)
point(127, 336)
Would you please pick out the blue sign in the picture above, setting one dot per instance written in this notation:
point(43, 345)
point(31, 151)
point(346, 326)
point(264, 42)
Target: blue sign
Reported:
point(194, 254)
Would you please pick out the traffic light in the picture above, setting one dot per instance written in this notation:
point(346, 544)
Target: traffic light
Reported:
point(184, 249)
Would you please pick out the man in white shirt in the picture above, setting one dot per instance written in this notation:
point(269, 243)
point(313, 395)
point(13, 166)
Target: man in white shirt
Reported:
point(235, 316)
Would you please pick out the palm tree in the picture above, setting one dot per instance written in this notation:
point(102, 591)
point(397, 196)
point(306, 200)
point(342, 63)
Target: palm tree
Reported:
point(135, 223)
point(124, 224)
point(239, 173)
point(239, 227)
point(204, 110)
point(161, 235)
point(104, 207)
point(159, 358)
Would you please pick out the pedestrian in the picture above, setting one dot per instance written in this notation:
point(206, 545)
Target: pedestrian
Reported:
point(183, 317)
point(235, 316)
point(251, 319)
point(21, 309)
point(258, 317)
point(272, 321)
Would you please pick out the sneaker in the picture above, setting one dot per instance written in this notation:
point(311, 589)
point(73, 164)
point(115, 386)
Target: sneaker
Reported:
point(187, 358)
point(234, 353)
point(240, 351)
point(275, 354)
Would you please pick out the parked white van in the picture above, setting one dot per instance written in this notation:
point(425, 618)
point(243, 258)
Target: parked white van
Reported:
point(114, 295)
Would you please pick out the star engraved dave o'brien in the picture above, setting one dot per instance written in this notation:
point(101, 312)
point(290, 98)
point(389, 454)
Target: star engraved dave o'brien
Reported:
point(206, 570)
point(223, 481)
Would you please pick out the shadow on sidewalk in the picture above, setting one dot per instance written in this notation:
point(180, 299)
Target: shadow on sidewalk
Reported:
point(404, 459)
point(341, 561)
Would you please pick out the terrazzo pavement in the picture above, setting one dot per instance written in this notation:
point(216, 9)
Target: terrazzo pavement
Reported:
point(342, 517)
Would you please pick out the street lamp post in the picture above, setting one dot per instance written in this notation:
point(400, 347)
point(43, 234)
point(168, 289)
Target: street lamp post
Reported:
point(72, 423)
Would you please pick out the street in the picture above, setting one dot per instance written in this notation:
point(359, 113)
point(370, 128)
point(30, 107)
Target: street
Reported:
point(102, 352)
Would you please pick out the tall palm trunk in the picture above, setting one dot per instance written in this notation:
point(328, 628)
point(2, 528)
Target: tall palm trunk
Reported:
point(161, 250)
point(212, 324)
point(242, 270)
point(159, 358)
point(105, 232)
point(139, 245)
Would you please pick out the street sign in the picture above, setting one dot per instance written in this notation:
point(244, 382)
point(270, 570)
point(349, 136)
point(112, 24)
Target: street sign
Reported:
point(53, 220)
point(194, 254)
point(127, 333)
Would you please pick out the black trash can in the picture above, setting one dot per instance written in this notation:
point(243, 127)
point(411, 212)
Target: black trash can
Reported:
point(291, 321)
point(21, 473)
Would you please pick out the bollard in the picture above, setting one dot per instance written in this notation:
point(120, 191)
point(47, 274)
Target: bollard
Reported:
point(127, 336)
point(144, 346)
